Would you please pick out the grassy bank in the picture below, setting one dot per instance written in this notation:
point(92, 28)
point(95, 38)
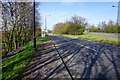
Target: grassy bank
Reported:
point(97, 38)
point(12, 68)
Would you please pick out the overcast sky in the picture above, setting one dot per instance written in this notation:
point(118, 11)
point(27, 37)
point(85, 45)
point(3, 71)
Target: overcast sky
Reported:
point(94, 12)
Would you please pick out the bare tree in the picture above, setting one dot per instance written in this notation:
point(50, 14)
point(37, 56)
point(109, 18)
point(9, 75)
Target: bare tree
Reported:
point(78, 20)
point(17, 20)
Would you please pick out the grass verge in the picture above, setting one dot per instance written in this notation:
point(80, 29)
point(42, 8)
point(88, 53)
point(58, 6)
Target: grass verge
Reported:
point(12, 68)
point(103, 39)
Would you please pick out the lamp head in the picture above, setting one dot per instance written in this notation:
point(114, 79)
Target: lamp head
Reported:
point(113, 6)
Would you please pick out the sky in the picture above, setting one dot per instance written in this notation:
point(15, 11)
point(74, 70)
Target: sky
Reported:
point(94, 12)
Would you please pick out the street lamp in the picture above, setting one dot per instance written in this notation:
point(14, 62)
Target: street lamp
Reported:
point(118, 15)
point(46, 23)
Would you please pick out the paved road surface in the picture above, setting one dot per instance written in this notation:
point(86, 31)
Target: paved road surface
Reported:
point(86, 59)
point(104, 34)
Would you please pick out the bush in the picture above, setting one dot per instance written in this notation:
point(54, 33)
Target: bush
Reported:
point(75, 26)
point(75, 29)
point(63, 29)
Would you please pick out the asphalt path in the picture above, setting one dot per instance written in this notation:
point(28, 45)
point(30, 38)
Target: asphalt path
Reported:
point(87, 59)
point(104, 34)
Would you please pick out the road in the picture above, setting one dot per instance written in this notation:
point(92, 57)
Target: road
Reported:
point(112, 35)
point(87, 59)
point(84, 59)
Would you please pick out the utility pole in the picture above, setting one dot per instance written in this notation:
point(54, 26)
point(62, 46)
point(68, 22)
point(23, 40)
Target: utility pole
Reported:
point(118, 16)
point(46, 23)
point(34, 26)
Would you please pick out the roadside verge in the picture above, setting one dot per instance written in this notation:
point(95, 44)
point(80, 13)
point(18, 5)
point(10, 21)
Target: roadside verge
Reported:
point(12, 68)
point(96, 38)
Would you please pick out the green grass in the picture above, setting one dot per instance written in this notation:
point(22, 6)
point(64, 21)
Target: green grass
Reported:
point(103, 39)
point(12, 68)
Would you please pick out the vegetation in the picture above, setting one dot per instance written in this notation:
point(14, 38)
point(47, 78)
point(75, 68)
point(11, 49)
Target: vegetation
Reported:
point(49, 31)
point(110, 27)
point(13, 66)
point(75, 26)
point(17, 23)
point(97, 38)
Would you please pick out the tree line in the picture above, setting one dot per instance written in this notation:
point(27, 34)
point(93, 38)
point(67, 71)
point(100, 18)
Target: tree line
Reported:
point(18, 24)
point(109, 27)
point(74, 26)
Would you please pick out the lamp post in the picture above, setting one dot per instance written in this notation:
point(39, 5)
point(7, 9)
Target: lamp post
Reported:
point(34, 25)
point(46, 23)
point(118, 15)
